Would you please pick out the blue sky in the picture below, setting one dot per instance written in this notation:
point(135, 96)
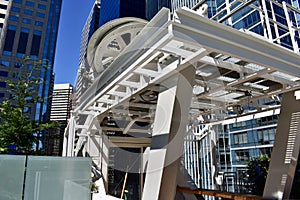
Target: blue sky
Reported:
point(73, 16)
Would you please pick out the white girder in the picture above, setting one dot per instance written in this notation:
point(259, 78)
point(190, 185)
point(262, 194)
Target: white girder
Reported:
point(228, 63)
point(192, 39)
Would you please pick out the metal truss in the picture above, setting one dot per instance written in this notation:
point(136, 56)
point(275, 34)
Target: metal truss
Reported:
point(232, 68)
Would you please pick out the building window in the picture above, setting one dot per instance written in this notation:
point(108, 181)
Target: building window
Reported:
point(266, 136)
point(38, 23)
point(35, 45)
point(29, 3)
point(18, 1)
point(4, 7)
point(241, 155)
point(3, 84)
point(9, 40)
point(41, 15)
point(20, 55)
point(23, 41)
point(224, 159)
point(13, 18)
point(26, 21)
point(4, 63)
point(2, 95)
point(4, 73)
point(37, 32)
point(266, 151)
point(241, 138)
point(6, 53)
point(18, 65)
point(41, 6)
point(15, 9)
point(223, 142)
point(28, 12)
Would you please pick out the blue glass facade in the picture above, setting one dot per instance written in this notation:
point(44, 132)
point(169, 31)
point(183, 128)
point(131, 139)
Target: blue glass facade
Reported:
point(91, 25)
point(48, 58)
point(30, 30)
point(113, 9)
point(251, 17)
point(110, 9)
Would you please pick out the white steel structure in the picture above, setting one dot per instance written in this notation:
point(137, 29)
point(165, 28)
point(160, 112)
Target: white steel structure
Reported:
point(171, 72)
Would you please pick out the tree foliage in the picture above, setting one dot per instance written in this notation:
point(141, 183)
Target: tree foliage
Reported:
point(17, 128)
point(257, 170)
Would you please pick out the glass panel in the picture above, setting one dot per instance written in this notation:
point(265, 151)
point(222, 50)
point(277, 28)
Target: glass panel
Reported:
point(62, 178)
point(22, 42)
point(35, 45)
point(12, 177)
point(9, 40)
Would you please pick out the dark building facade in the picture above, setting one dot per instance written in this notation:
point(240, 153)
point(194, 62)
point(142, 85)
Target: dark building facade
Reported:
point(113, 9)
point(91, 25)
point(30, 30)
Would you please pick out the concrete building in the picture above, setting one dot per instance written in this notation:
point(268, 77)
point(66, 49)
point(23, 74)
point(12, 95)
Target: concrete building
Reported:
point(60, 112)
point(29, 30)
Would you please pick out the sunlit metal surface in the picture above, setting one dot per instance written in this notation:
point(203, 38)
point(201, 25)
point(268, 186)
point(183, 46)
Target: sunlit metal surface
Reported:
point(233, 71)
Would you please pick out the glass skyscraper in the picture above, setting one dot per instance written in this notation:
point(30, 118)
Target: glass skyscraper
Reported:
point(277, 21)
point(91, 25)
point(29, 29)
point(113, 9)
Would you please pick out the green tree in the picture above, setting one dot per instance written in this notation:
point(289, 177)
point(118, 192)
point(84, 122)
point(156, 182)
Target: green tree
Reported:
point(257, 170)
point(16, 125)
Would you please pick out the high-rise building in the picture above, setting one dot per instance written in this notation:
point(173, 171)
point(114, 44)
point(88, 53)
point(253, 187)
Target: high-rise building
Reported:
point(29, 29)
point(84, 77)
point(113, 9)
point(183, 3)
point(60, 112)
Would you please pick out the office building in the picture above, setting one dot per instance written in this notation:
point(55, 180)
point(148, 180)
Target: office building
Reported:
point(60, 112)
point(29, 29)
point(84, 75)
point(113, 9)
point(175, 4)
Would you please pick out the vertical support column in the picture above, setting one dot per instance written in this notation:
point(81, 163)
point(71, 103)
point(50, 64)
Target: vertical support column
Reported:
point(286, 149)
point(71, 137)
point(167, 138)
point(290, 26)
point(267, 21)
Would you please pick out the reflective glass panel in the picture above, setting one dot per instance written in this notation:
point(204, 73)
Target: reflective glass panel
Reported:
point(12, 176)
point(63, 178)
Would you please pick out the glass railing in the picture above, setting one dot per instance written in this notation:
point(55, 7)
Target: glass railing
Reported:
point(42, 177)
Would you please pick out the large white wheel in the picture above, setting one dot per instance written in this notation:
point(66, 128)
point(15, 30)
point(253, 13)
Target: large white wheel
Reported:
point(110, 39)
